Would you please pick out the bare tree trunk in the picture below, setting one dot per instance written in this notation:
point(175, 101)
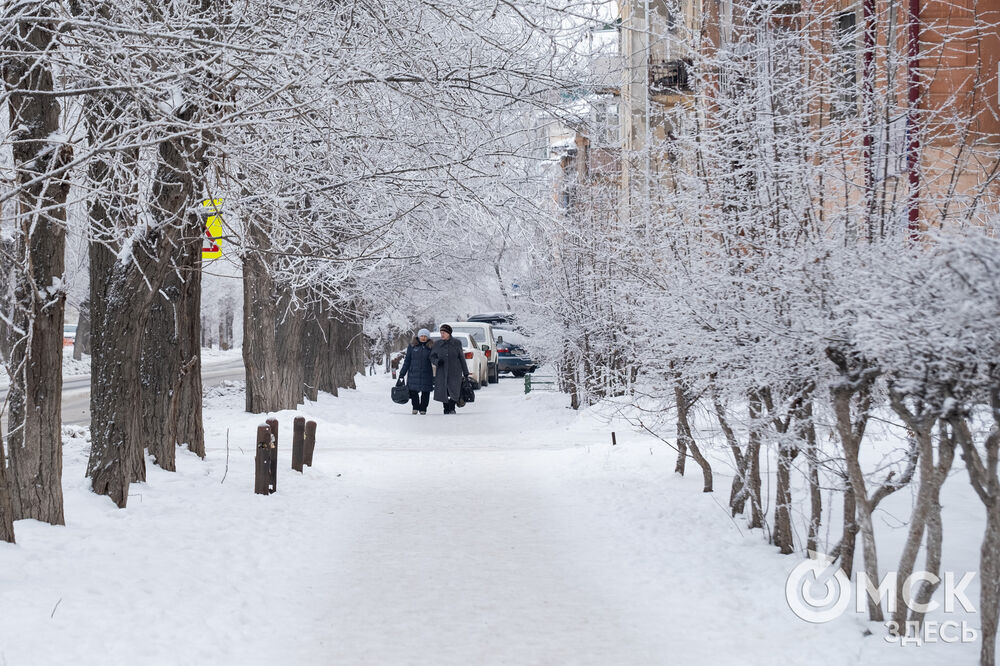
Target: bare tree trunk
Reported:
point(35, 418)
point(807, 430)
point(8, 248)
point(160, 367)
point(342, 358)
point(864, 508)
point(927, 510)
point(935, 528)
point(857, 381)
point(685, 438)
point(81, 343)
point(985, 481)
point(783, 536)
point(313, 344)
point(227, 318)
point(288, 341)
point(340, 354)
point(572, 385)
point(186, 409)
point(847, 547)
point(272, 340)
point(330, 354)
point(915, 534)
point(706, 467)
point(171, 360)
point(502, 284)
point(752, 480)
point(359, 347)
point(6, 508)
point(681, 463)
point(110, 215)
point(117, 444)
point(989, 587)
point(260, 356)
point(737, 491)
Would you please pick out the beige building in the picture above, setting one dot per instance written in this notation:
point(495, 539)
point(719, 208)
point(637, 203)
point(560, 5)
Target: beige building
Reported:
point(656, 48)
point(956, 111)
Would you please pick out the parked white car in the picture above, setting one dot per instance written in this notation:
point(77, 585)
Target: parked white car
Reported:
point(475, 358)
point(483, 333)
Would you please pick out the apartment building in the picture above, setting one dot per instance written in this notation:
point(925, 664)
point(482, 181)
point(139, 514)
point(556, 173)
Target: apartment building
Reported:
point(921, 124)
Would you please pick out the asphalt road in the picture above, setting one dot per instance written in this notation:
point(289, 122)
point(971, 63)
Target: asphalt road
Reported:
point(76, 390)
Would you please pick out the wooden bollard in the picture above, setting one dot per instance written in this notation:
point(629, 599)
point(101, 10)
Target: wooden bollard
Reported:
point(298, 442)
point(273, 425)
point(264, 462)
point(307, 457)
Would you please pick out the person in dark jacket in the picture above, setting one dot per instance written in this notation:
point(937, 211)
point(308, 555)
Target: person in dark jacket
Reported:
point(417, 369)
point(448, 359)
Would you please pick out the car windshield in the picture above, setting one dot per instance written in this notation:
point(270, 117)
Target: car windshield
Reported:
point(471, 330)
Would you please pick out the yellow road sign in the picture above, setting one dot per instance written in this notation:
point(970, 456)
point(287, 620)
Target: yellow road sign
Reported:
point(212, 247)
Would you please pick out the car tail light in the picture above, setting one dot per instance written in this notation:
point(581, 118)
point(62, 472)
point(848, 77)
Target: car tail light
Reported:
point(468, 355)
point(502, 350)
point(488, 352)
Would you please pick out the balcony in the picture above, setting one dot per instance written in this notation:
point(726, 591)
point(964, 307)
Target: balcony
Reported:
point(669, 77)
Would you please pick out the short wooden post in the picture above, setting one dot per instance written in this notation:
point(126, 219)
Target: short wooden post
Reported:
point(298, 442)
point(273, 425)
point(264, 480)
point(614, 442)
point(307, 457)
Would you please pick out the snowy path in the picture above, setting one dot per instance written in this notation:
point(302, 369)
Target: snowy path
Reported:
point(510, 534)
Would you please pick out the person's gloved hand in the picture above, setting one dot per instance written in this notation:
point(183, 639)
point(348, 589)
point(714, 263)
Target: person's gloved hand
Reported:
point(400, 382)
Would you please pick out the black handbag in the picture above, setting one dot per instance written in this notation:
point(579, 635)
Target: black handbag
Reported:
point(468, 393)
point(400, 394)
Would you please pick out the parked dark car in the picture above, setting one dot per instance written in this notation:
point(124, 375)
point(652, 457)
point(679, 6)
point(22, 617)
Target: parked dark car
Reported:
point(512, 356)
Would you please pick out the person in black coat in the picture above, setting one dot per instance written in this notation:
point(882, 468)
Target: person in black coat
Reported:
point(417, 369)
point(448, 359)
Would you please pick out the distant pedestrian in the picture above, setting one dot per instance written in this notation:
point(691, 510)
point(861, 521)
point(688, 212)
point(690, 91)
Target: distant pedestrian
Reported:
point(448, 359)
point(417, 368)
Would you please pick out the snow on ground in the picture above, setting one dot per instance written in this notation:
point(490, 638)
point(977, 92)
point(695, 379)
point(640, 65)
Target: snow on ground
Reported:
point(212, 355)
point(78, 368)
point(71, 366)
point(513, 533)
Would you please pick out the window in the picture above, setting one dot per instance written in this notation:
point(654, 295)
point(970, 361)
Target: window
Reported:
point(845, 100)
point(606, 123)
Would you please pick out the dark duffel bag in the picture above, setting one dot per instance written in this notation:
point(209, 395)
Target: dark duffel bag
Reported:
point(468, 393)
point(400, 394)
